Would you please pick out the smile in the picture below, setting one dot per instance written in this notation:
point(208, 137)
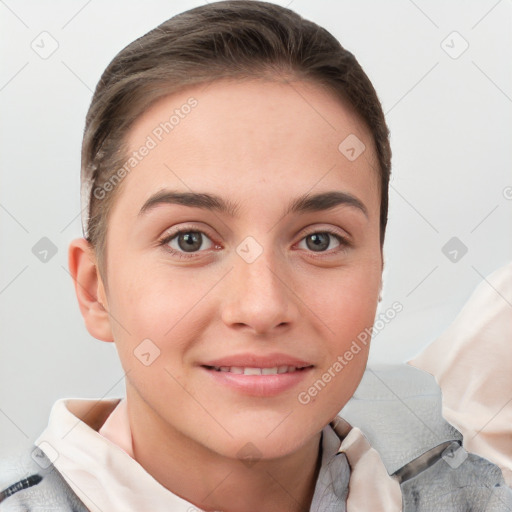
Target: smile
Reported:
point(239, 370)
point(257, 378)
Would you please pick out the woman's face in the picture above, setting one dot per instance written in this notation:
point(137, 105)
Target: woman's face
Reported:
point(278, 264)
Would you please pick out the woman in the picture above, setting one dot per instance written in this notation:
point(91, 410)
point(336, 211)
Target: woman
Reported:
point(235, 171)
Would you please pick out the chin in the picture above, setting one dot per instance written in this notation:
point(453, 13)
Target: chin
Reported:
point(264, 440)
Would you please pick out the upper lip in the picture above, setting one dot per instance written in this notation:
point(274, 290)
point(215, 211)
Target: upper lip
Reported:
point(257, 361)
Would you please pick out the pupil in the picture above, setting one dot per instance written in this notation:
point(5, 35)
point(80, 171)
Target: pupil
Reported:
point(190, 241)
point(320, 241)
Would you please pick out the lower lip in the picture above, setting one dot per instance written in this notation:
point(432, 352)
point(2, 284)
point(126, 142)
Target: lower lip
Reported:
point(259, 385)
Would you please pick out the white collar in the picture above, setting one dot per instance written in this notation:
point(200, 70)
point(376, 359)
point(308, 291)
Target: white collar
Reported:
point(89, 442)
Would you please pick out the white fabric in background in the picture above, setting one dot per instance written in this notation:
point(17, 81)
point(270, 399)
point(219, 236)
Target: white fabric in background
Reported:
point(472, 363)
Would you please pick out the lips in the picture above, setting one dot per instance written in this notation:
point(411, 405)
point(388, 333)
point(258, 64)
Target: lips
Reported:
point(257, 375)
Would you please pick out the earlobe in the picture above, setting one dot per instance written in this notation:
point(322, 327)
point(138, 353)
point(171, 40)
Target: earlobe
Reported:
point(89, 289)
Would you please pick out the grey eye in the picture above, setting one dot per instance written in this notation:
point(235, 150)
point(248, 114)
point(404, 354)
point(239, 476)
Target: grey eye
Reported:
point(319, 242)
point(188, 241)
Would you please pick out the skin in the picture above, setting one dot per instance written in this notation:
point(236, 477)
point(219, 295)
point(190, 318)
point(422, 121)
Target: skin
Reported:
point(259, 144)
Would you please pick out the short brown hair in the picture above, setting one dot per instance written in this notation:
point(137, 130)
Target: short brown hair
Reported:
point(230, 39)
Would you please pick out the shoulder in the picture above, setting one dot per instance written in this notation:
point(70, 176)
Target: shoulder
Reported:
point(464, 482)
point(29, 481)
point(398, 408)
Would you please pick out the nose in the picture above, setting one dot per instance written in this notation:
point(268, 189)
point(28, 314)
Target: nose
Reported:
point(259, 296)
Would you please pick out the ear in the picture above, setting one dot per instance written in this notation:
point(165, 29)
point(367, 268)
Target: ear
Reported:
point(89, 289)
point(381, 275)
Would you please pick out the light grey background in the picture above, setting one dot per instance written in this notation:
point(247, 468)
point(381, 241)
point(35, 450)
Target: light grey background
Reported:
point(451, 127)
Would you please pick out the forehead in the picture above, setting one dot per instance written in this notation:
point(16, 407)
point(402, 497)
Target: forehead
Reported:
point(250, 138)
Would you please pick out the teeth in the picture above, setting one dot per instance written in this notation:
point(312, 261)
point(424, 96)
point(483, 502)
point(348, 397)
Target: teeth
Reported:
point(256, 371)
point(252, 371)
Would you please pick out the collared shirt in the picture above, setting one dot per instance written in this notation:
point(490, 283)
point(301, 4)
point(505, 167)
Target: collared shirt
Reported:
point(90, 443)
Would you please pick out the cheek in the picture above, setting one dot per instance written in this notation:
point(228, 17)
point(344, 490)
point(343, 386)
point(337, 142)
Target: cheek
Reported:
point(347, 305)
point(347, 310)
point(157, 305)
point(142, 297)
point(150, 330)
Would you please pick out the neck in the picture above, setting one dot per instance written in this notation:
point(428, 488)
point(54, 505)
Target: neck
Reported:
point(213, 482)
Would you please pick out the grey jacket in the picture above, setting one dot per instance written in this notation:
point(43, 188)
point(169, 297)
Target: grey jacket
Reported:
point(399, 410)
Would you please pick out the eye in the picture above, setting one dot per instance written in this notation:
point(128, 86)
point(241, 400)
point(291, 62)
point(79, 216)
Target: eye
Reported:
point(321, 241)
point(186, 241)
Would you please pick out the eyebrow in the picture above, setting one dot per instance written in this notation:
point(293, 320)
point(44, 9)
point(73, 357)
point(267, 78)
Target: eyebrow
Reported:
point(303, 204)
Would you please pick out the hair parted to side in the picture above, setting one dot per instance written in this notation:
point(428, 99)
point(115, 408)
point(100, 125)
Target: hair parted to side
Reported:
point(235, 39)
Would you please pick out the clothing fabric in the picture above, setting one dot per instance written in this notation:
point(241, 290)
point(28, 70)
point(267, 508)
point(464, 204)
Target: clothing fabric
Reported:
point(471, 361)
point(333, 473)
point(95, 458)
point(421, 467)
point(398, 409)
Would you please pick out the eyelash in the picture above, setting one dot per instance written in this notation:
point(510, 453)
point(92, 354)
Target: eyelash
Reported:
point(344, 242)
